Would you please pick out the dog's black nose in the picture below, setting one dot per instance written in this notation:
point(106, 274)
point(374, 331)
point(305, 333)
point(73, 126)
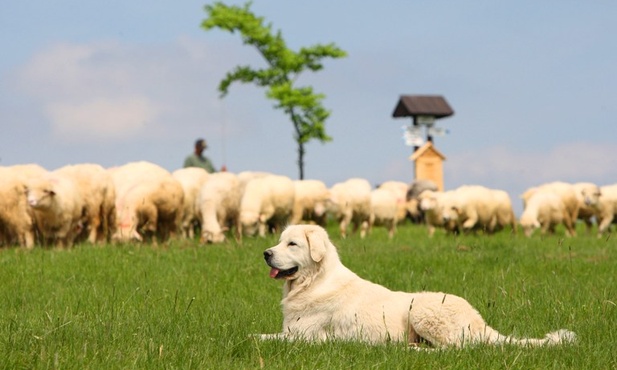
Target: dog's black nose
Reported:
point(267, 255)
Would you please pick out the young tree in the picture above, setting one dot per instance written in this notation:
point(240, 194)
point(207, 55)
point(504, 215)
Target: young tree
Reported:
point(284, 66)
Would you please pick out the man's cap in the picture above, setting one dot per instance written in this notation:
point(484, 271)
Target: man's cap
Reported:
point(201, 143)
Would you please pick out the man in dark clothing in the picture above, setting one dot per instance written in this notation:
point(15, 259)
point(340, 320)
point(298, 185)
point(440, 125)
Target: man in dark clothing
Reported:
point(197, 159)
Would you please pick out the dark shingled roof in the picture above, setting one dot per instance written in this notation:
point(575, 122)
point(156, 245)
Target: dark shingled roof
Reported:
point(422, 105)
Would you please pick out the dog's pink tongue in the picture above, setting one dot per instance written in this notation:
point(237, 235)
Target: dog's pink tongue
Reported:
point(274, 272)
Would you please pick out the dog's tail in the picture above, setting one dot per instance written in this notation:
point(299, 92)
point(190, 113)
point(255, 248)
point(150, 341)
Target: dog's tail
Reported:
point(560, 336)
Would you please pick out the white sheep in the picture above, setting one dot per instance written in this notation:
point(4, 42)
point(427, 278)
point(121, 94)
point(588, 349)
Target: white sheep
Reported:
point(432, 203)
point(148, 202)
point(311, 197)
point(567, 193)
point(543, 210)
point(16, 219)
point(588, 196)
point(267, 204)
point(129, 174)
point(192, 180)
point(245, 176)
point(607, 208)
point(399, 189)
point(57, 207)
point(98, 194)
point(350, 203)
point(476, 207)
point(219, 201)
point(384, 210)
point(473, 208)
point(504, 212)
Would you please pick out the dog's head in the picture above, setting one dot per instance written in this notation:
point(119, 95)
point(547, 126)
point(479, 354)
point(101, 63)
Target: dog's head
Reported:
point(299, 253)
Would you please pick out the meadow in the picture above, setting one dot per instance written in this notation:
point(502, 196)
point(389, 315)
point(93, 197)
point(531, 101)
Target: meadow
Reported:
point(190, 306)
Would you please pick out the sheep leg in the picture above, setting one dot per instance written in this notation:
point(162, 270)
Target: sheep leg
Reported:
point(391, 229)
point(345, 220)
point(567, 221)
point(607, 219)
point(431, 230)
point(363, 229)
point(94, 224)
point(470, 222)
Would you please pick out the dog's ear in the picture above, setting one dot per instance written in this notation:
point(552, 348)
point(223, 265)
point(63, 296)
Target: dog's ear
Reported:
point(317, 240)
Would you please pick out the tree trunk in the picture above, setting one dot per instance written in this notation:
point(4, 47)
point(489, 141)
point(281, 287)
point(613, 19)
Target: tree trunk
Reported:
point(294, 119)
point(301, 159)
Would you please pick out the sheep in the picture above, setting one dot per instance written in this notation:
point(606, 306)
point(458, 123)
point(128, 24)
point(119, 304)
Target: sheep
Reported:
point(588, 196)
point(607, 208)
point(310, 201)
point(567, 193)
point(350, 202)
point(399, 189)
point(129, 174)
point(543, 209)
point(384, 210)
point(28, 170)
point(504, 213)
point(16, 219)
point(418, 186)
point(431, 203)
point(245, 176)
point(413, 204)
point(192, 180)
point(148, 202)
point(267, 204)
point(219, 203)
point(57, 207)
point(473, 208)
point(98, 194)
point(15, 223)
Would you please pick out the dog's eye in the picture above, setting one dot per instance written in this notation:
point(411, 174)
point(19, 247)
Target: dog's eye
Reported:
point(292, 244)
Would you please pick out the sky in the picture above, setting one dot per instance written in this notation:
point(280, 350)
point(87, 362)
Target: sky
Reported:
point(533, 85)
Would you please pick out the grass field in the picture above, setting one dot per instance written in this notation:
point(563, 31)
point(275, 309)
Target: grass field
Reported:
point(185, 306)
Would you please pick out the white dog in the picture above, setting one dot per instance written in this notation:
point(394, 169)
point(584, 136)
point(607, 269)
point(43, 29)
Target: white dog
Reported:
point(323, 299)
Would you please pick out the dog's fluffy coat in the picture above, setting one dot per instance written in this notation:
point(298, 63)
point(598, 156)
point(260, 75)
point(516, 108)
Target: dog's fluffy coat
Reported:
point(323, 299)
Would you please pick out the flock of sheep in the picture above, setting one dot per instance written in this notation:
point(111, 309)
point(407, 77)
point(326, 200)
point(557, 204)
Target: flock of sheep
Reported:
point(470, 208)
point(141, 201)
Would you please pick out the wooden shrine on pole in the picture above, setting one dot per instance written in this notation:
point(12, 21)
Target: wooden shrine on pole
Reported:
point(424, 110)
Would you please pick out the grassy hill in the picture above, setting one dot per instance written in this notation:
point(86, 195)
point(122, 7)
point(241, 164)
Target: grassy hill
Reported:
point(190, 306)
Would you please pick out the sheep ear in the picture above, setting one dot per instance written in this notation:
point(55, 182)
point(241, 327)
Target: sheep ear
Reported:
point(317, 240)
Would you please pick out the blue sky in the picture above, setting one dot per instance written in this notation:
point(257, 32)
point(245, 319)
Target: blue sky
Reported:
point(533, 86)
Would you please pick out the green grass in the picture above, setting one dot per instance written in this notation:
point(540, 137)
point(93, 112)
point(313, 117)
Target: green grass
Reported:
point(185, 306)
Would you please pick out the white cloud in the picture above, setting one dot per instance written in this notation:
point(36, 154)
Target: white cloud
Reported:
point(69, 71)
point(101, 118)
point(572, 162)
point(90, 91)
point(110, 90)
